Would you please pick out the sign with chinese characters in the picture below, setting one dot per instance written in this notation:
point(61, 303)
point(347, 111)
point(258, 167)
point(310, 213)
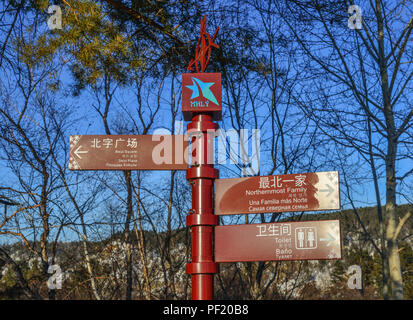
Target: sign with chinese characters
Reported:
point(307, 240)
point(201, 92)
point(128, 152)
point(281, 193)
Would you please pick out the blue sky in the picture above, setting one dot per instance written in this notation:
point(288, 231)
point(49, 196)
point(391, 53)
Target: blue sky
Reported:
point(125, 101)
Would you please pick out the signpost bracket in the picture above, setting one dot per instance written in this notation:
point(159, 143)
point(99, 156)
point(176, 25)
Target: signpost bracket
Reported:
point(205, 267)
point(204, 219)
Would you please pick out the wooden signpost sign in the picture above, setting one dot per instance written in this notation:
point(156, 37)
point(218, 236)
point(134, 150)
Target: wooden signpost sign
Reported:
point(202, 104)
point(281, 193)
point(304, 240)
point(128, 152)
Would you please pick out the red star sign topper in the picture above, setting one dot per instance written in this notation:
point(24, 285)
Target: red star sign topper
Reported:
point(203, 48)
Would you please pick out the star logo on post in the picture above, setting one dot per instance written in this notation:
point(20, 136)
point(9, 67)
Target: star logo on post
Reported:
point(205, 89)
point(201, 92)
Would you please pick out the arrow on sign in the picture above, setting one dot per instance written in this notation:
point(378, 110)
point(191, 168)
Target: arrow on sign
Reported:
point(329, 238)
point(77, 151)
point(329, 190)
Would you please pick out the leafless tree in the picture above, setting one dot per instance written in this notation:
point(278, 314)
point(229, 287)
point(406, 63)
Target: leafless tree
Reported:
point(358, 80)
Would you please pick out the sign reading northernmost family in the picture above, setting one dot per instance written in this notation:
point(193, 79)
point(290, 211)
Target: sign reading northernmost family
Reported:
point(280, 193)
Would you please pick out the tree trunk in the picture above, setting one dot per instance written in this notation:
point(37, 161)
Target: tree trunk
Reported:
point(382, 231)
point(391, 235)
point(128, 249)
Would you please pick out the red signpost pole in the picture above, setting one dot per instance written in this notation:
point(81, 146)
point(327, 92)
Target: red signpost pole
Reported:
point(201, 219)
point(201, 103)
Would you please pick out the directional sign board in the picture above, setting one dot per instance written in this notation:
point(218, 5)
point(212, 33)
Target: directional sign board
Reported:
point(282, 193)
point(307, 240)
point(128, 152)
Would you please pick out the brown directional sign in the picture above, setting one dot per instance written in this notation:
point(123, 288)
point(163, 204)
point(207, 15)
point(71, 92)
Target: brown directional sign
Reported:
point(307, 240)
point(128, 152)
point(281, 193)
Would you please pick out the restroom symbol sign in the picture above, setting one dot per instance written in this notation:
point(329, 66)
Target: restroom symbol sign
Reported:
point(306, 238)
